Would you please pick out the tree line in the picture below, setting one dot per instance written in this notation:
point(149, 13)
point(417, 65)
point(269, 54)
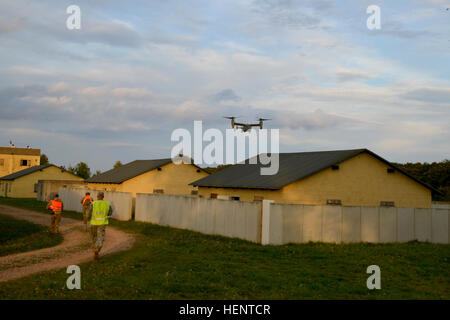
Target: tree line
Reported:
point(435, 174)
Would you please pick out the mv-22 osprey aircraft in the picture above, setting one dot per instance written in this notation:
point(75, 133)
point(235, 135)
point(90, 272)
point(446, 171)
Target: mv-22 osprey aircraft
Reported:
point(246, 126)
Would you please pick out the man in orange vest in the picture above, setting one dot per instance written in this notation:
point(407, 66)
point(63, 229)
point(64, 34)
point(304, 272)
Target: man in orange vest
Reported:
point(55, 206)
point(86, 202)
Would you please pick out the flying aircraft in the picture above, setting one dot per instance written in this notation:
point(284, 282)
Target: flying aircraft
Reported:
point(246, 126)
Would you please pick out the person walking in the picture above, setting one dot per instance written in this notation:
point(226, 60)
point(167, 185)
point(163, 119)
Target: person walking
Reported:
point(86, 203)
point(99, 212)
point(55, 206)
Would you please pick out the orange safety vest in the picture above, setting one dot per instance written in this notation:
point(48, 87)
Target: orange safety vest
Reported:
point(85, 198)
point(56, 206)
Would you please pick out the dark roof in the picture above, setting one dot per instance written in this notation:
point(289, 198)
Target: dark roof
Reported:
point(128, 171)
point(24, 172)
point(20, 151)
point(292, 167)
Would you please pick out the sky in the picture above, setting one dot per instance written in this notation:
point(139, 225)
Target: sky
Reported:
point(137, 70)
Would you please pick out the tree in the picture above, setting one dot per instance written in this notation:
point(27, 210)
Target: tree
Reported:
point(44, 159)
point(98, 172)
point(117, 164)
point(436, 174)
point(81, 169)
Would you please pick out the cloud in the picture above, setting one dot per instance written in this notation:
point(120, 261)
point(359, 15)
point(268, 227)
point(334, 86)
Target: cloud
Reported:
point(131, 93)
point(11, 25)
point(397, 29)
point(313, 121)
point(29, 70)
point(58, 87)
point(226, 95)
point(98, 91)
point(293, 14)
point(434, 95)
point(353, 75)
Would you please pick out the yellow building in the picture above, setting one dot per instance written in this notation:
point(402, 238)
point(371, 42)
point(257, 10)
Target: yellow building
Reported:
point(149, 176)
point(345, 177)
point(14, 159)
point(22, 184)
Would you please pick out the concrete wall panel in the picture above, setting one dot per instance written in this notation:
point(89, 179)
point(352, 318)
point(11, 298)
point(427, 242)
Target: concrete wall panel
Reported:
point(422, 224)
point(405, 224)
point(439, 225)
point(388, 224)
point(312, 223)
point(276, 227)
point(351, 224)
point(332, 224)
point(370, 224)
point(292, 221)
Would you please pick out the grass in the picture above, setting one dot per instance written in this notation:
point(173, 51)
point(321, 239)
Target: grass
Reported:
point(20, 236)
point(167, 263)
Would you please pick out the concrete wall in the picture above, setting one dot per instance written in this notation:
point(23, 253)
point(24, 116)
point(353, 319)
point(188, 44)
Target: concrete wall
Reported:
point(440, 205)
point(46, 189)
point(267, 222)
point(120, 201)
point(340, 224)
point(360, 181)
point(210, 216)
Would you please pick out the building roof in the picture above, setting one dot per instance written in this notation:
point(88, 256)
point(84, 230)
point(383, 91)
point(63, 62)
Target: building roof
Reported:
point(128, 171)
point(292, 167)
point(20, 151)
point(25, 172)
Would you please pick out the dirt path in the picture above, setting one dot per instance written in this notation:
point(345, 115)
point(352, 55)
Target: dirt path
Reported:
point(74, 249)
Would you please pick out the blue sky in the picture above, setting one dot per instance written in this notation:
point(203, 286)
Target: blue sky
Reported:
point(137, 70)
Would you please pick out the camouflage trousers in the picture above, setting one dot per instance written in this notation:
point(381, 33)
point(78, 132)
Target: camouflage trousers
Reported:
point(97, 236)
point(85, 214)
point(54, 222)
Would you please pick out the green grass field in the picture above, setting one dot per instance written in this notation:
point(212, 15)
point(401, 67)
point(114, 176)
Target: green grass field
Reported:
point(20, 236)
point(168, 263)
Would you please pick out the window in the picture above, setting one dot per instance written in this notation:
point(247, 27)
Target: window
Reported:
point(35, 188)
point(194, 192)
point(2, 162)
point(258, 198)
point(335, 167)
point(387, 204)
point(235, 198)
point(158, 190)
point(390, 170)
point(213, 195)
point(25, 163)
point(334, 202)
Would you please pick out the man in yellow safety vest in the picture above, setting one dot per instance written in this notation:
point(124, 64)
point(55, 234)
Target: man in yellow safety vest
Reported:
point(55, 206)
point(99, 211)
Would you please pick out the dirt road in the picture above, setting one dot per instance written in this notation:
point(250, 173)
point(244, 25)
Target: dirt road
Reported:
point(74, 249)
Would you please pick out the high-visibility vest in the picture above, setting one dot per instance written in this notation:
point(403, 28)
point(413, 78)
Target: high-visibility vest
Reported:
point(56, 206)
point(85, 198)
point(100, 210)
